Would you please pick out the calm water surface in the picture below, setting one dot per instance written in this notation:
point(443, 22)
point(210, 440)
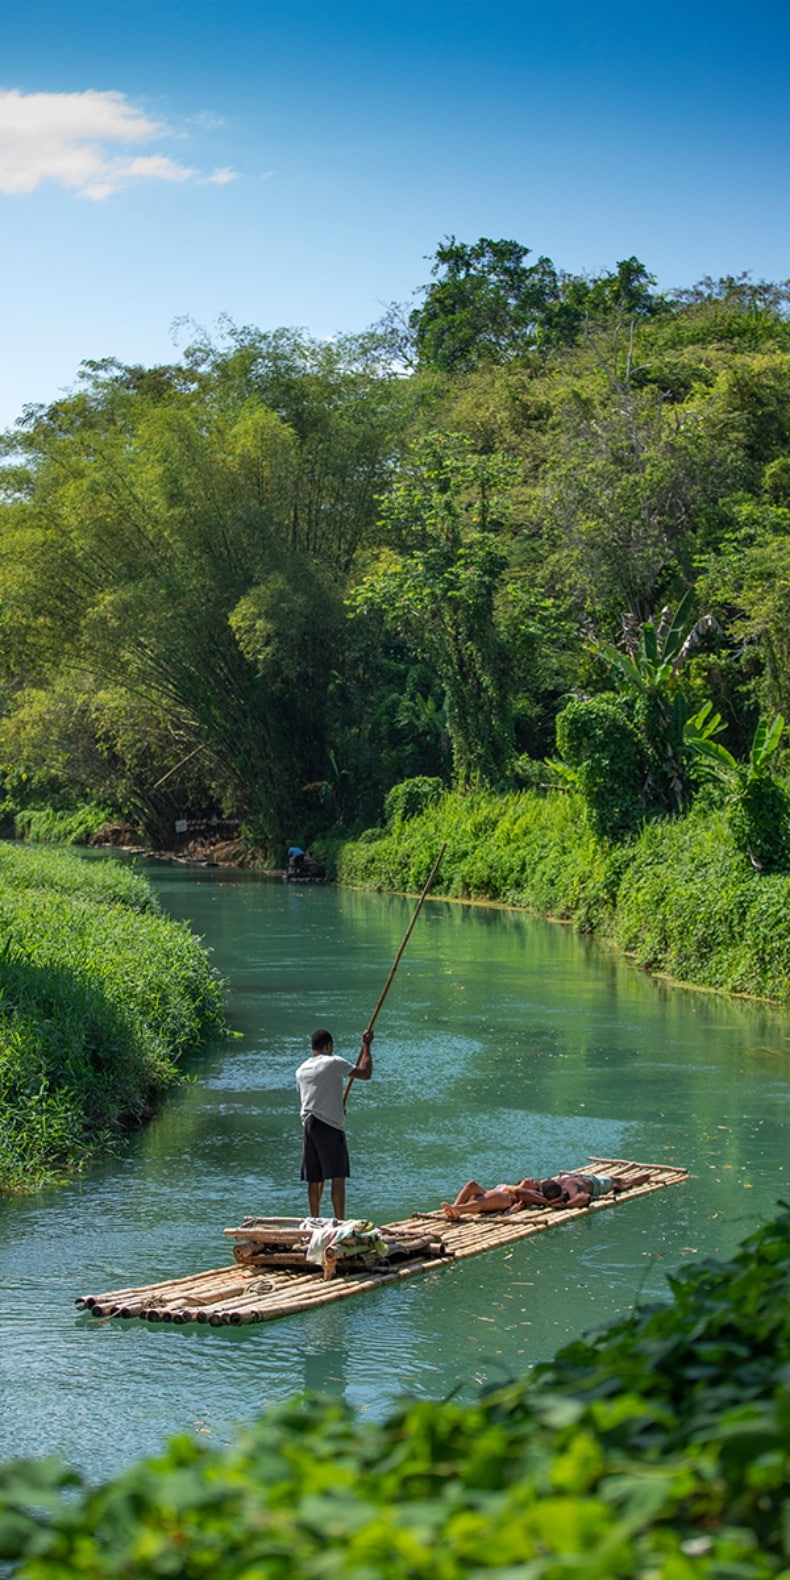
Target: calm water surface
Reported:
point(506, 1046)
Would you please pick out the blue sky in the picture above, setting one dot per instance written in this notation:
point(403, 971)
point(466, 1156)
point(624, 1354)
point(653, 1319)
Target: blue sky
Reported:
point(298, 164)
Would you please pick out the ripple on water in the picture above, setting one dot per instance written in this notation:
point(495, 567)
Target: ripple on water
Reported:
point(505, 1047)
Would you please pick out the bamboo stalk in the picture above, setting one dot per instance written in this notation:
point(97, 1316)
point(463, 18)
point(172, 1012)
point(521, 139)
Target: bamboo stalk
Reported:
point(270, 1236)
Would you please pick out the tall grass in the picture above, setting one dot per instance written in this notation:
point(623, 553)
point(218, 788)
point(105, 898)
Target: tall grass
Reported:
point(99, 997)
point(679, 898)
point(108, 882)
point(50, 826)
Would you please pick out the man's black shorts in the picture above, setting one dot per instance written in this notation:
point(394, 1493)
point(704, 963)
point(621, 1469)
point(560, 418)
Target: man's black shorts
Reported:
point(324, 1152)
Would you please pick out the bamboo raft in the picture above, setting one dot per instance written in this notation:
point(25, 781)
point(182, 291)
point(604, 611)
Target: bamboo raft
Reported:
point(270, 1277)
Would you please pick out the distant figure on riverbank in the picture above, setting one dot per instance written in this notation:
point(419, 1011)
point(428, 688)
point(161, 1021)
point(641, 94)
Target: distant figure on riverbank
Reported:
point(295, 859)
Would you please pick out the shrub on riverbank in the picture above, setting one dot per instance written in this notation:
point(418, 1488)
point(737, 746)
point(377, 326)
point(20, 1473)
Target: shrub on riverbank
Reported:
point(679, 897)
point(660, 1448)
point(99, 996)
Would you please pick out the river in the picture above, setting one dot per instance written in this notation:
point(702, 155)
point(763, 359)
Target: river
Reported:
point(506, 1046)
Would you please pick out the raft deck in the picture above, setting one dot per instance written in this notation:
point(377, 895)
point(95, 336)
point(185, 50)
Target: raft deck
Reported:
point(249, 1293)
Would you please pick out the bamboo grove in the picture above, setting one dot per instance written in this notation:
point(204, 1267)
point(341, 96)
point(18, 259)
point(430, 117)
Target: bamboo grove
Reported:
point(279, 577)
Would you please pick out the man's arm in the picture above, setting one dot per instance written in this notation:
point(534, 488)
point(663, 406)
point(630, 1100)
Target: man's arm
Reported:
point(363, 1069)
point(526, 1197)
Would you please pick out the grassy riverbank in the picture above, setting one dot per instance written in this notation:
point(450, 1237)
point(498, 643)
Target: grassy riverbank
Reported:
point(679, 898)
point(99, 996)
point(660, 1448)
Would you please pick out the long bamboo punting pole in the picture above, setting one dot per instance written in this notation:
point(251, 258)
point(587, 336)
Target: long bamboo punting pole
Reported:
point(396, 961)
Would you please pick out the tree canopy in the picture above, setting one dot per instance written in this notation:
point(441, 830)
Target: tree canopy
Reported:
point(279, 576)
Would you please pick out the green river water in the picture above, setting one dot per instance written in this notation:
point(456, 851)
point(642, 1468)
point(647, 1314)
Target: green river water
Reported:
point(506, 1046)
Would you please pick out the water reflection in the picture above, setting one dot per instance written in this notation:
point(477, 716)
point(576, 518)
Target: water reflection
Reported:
point(506, 1046)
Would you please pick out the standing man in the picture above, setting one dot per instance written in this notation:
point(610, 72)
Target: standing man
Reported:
point(324, 1150)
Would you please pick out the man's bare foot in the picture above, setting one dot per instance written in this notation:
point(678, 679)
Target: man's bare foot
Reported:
point(451, 1212)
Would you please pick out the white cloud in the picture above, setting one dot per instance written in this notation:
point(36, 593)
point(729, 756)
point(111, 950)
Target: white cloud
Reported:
point(69, 138)
point(220, 178)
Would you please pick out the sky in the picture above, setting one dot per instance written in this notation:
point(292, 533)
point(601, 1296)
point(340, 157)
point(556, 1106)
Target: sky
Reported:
point(169, 163)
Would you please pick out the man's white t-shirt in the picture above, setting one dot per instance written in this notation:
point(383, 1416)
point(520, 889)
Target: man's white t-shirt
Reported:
point(320, 1081)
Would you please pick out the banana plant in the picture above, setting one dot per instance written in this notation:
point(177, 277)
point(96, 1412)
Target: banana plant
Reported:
point(651, 670)
point(699, 737)
point(659, 652)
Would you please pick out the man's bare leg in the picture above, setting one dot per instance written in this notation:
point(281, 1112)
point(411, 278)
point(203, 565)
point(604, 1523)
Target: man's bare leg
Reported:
point(619, 1185)
point(339, 1198)
point(487, 1201)
point(315, 1190)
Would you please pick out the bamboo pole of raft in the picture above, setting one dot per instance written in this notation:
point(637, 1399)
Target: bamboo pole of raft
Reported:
point(140, 1292)
point(254, 1309)
point(396, 961)
point(262, 1293)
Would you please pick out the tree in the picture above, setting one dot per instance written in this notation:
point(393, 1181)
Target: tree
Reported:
point(437, 585)
point(606, 755)
point(151, 547)
point(484, 304)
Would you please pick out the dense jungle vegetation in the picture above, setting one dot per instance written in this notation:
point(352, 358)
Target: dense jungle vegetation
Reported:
point(100, 995)
point(659, 1448)
point(533, 516)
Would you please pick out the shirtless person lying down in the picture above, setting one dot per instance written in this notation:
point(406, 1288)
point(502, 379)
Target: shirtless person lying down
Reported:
point(578, 1190)
point(562, 1190)
point(504, 1198)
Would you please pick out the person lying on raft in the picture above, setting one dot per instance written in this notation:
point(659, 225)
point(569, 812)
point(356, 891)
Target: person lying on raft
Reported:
point(566, 1190)
point(504, 1198)
point(578, 1190)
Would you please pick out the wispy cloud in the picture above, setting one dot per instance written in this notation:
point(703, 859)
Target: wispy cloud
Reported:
point(72, 138)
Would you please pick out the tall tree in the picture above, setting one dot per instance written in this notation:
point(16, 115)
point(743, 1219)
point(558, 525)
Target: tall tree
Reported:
point(484, 304)
point(438, 586)
point(150, 543)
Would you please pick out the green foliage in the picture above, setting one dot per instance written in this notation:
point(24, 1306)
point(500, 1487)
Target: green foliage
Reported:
point(659, 1448)
point(410, 798)
point(597, 740)
point(520, 849)
point(484, 305)
point(99, 996)
point(760, 823)
point(48, 826)
point(758, 804)
point(487, 305)
point(651, 673)
point(172, 543)
point(100, 881)
point(221, 575)
point(690, 904)
point(438, 588)
point(679, 898)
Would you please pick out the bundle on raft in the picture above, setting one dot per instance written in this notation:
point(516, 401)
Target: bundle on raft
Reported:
point(271, 1276)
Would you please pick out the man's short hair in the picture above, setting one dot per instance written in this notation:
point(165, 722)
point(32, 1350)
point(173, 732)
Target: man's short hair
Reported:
point(321, 1039)
point(551, 1189)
